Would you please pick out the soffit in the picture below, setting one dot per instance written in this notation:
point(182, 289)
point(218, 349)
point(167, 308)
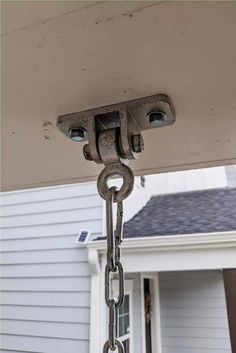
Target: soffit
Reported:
point(61, 57)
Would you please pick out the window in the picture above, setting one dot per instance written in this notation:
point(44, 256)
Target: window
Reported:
point(124, 323)
point(125, 315)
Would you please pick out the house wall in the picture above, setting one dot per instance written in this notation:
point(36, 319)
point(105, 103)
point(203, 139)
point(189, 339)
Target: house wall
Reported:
point(231, 175)
point(193, 313)
point(46, 279)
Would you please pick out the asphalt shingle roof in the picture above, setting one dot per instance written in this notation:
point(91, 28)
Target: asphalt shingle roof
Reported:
point(202, 211)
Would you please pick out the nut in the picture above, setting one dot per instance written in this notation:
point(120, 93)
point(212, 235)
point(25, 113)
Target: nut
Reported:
point(137, 143)
point(87, 154)
point(77, 133)
point(156, 117)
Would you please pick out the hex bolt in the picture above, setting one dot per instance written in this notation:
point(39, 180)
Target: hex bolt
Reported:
point(156, 117)
point(77, 133)
point(87, 154)
point(137, 143)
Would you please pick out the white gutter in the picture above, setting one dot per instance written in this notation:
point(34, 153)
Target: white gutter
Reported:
point(172, 242)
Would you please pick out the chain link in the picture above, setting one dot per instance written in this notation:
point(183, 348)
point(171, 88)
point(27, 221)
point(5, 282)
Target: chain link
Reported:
point(114, 240)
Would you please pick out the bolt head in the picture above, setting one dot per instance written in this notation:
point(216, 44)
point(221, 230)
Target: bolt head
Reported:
point(156, 117)
point(87, 154)
point(77, 133)
point(137, 143)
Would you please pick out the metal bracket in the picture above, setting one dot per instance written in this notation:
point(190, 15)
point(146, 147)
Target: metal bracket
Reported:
point(114, 131)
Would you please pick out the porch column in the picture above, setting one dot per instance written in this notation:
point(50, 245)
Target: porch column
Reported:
point(230, 293)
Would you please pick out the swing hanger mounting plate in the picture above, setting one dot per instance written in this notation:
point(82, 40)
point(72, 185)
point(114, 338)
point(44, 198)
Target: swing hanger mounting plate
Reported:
point(146, 113)
point(127, 118)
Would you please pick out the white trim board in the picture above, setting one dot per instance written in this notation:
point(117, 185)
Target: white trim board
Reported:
point(176, 252)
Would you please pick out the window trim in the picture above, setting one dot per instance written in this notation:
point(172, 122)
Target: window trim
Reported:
point(156, 323)
point(128, 291)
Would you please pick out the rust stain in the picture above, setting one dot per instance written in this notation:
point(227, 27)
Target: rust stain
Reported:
point(46, 123)
point(130, 13)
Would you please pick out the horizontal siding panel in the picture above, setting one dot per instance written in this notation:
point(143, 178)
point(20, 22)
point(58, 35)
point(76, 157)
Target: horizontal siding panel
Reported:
point(11, 351)
point(195, 350)
point(46, 270)
point(48, 193)
point(37, 243)
point(189, 285)
point(52, 218)
point(50, 314)
point(194, 292)
point(195, 342)
point(196, 302)
point(47, 256)
point(46, 329)
point(60, 205)
point(195, 322)
point(73, 299)
point(193, 312)
point(52, 229)
point(186, 276)
point(45, 273)
point(44, 345)
point(46, 284)
point(191, 332)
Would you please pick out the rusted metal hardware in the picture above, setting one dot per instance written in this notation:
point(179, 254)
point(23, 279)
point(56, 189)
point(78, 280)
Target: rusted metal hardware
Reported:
point(114, 135)
point(118, 344)
point(113, 266)
point(130, 117)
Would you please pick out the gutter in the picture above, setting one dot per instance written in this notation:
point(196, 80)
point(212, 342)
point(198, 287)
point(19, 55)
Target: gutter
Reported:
point(171, 242)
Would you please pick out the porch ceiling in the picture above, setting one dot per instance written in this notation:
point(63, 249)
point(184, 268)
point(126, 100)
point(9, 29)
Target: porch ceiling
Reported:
point(60, 57)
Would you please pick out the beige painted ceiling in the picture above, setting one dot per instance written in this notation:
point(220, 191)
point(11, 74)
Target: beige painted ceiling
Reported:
point(61, 57)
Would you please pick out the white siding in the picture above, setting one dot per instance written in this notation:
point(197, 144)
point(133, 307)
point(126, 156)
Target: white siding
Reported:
point(45, 275)
point(231, 175)
point(193, 313)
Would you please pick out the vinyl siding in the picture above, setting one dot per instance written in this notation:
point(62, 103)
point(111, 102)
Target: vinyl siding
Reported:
point(45, 274)
point(193, 313)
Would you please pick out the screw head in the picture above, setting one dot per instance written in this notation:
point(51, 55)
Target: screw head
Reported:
point(156, 117)
point(137, 143)
point(77, 133)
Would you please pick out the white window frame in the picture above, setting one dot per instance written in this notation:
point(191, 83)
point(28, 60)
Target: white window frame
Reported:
point(128, 291)
point(156, 316)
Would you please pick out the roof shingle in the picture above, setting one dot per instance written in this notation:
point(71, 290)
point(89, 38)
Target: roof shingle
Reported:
point(202, 211)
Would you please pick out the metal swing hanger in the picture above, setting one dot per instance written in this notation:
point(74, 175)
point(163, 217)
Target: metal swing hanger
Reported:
point(114, 137)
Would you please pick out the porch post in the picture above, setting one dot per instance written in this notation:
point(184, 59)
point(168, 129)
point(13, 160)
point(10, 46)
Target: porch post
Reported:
point(230, 293)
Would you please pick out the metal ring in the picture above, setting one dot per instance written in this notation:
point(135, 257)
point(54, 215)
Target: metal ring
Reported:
point(116, 169)
point(120, 299)
point(119, 345)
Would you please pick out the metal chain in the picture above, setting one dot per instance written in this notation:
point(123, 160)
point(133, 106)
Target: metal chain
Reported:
point(114, 240)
